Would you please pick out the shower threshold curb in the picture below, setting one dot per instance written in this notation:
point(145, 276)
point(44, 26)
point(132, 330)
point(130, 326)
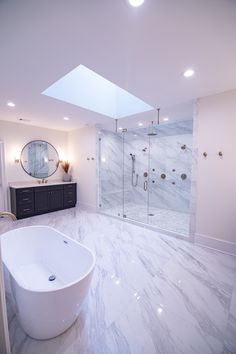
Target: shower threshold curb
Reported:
point(165, 232)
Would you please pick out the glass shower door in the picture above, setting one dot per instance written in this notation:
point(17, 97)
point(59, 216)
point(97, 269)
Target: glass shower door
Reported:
point(135, 175)
point(170, 178)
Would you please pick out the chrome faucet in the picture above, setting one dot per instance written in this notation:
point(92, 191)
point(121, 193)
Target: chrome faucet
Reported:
point(7, 213)
point(43, 180)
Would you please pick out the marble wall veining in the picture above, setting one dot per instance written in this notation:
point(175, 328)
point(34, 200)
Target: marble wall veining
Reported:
point(110, 171)
point(168, 153)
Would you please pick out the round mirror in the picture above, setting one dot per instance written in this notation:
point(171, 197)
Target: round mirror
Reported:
point(39, 159)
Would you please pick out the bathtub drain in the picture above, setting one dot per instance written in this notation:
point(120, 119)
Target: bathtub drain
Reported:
point(52, 277)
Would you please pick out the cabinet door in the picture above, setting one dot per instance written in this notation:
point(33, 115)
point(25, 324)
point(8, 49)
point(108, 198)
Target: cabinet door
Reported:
point(56, 199)
point(41, 201)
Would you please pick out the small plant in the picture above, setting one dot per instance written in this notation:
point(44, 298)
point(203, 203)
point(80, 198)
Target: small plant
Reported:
point(65, 166)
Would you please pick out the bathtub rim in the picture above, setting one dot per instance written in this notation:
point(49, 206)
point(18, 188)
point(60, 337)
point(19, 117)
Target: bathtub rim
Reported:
point(90, 270)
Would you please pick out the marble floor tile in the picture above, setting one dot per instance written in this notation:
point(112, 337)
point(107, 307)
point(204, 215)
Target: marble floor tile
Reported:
point(150, 293)
point(164, 219)
point(230, 333)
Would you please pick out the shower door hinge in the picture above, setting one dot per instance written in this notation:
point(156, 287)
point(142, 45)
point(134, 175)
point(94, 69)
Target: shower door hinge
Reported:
point(100, 205)
point(100, 139)
point(124, 216)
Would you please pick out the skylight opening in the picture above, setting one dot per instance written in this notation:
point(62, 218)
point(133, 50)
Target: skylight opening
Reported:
point(87, 89)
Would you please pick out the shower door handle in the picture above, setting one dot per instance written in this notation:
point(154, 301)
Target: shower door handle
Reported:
point(145, 184)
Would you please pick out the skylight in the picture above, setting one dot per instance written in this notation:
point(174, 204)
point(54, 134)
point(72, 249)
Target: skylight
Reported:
point(87, 89)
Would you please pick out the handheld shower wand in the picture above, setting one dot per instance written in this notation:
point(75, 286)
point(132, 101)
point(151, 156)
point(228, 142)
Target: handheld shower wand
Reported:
point(133, 175)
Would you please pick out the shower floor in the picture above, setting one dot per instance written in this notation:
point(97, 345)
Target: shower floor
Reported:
point(162, 218)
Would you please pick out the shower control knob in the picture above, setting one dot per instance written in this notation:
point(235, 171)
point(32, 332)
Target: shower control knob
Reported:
point(145, 174)
point(153, 169)
point(163, 175)
point(173, 182)
point(183, 176)
point(153, 181)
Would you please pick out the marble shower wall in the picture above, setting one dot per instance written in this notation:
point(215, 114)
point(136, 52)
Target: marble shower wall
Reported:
point(169, 153)
point(111, 170)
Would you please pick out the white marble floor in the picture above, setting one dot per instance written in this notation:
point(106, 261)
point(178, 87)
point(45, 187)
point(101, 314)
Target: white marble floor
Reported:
point(150, 293)
point(164, 219)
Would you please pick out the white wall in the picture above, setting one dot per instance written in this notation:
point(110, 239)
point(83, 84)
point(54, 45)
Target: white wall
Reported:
point(82, 145)
point(75, 146)
point(216, 177)
point(16, 135)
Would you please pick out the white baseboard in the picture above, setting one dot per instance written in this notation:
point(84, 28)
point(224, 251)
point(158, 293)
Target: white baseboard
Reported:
point(216, 244)
point(87, 207)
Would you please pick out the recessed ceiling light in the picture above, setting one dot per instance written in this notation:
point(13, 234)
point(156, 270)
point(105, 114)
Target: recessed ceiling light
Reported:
point(188, 73)
point(11, 104)
point(136, 3)
point(66, 118)
point(165, 119)
point(140, 124)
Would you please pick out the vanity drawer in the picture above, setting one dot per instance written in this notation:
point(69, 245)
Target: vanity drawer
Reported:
point(24, 193)
point(69, 202)
point(69, 187)
point(69, 193)
point(25, 198)
point(25, 210)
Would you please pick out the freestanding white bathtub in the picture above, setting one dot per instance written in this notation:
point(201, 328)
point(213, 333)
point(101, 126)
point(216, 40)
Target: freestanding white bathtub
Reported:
point(49, 276)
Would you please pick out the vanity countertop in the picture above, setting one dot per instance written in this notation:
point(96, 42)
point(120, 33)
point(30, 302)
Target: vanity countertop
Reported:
point(37, 184)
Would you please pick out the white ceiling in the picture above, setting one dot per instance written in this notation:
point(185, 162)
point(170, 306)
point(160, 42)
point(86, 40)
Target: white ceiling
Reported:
point(143, 50)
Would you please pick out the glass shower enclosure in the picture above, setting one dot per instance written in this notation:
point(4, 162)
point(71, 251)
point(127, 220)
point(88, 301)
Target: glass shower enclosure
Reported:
point(146, 177)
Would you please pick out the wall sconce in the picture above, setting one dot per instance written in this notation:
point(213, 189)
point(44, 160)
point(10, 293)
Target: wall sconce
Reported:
point(14, 155)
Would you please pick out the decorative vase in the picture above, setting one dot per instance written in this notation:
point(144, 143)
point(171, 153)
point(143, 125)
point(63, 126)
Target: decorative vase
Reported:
point(66, 177)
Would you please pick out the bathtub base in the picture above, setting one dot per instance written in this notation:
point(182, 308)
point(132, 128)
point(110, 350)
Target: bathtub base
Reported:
point(48, 278)
point(54, 316)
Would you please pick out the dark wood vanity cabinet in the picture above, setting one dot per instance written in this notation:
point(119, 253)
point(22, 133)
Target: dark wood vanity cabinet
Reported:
point(31, 201)
point(48, 199)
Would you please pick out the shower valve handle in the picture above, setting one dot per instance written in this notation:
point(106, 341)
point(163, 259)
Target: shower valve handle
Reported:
point(145, 185)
